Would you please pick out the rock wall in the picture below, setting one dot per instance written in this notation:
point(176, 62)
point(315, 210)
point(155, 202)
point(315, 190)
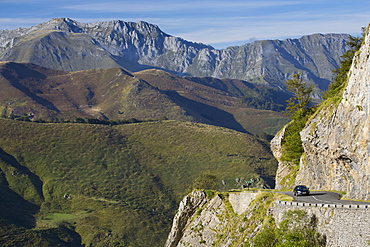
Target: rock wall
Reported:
point(283, 168)
point(342, 226)
point(187, 209)
point(336, 140)
point(240, 201)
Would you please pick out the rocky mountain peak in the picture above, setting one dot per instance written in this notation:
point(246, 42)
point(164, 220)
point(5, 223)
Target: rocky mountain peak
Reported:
point(140, 45)
point(63, 24)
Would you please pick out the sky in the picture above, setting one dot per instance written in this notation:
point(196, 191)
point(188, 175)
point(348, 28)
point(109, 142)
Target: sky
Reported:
point(213, 22)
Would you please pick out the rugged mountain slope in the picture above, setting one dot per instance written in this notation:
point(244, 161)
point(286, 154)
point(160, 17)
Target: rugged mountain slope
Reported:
point(136, 46)
point(40, 93)
point(82, 184)
point(61, 50)
point(336, 139)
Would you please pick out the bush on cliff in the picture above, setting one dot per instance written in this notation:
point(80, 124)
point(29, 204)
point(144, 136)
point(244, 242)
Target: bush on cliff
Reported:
point(296, 229)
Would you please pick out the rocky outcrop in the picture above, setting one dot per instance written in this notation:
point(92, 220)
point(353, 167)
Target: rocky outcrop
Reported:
point(204, 221)
point(283, 168)
point(235, 219)
point(199, 228)
point(336, 140)
point(187, 209)
point(141, 45)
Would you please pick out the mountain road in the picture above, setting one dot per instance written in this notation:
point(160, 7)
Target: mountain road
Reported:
point(325, 197)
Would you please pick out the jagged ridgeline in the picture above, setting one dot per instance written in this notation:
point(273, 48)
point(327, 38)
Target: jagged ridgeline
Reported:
point(69, 183)
point(66, 44)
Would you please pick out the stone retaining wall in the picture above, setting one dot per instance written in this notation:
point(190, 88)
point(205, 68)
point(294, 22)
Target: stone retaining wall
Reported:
point(343, 225)
point(240, 201)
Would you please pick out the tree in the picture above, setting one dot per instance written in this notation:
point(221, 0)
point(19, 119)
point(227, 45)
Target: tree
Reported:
point(299, 110)
point(205, 181)
point(340, 74)
point(299, 104)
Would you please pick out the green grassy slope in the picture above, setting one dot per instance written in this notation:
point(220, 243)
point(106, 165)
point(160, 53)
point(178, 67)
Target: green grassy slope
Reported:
point(112, 185)
point(180, 151)
point(88, 172)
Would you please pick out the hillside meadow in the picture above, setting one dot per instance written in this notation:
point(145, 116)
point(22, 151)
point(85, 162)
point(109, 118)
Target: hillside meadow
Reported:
point(80, 184)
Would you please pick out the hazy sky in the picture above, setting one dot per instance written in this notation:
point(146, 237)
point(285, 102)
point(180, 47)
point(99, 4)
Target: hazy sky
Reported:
point(214, 22)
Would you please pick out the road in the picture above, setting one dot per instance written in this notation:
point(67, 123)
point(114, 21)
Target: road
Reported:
point(324, 197)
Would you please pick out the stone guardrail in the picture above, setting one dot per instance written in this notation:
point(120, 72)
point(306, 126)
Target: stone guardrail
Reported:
point(324, 205)
point(342, 225)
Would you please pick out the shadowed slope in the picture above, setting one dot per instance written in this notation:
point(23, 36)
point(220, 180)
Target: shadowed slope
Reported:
point(34, 92)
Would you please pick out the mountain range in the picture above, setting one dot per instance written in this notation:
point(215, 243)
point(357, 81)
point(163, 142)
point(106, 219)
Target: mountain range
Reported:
point(65, 44)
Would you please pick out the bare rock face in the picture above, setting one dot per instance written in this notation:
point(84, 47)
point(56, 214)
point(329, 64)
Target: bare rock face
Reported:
point(187, 208)
point(337, 142)
point(202, 221)
point(283, 168)
point(196, 221)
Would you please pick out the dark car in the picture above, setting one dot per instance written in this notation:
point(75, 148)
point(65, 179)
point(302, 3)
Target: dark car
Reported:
point(300, 190)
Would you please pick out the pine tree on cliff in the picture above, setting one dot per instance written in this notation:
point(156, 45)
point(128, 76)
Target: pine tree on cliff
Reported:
point(298, 109)
point(341, 74)
point(298, 105)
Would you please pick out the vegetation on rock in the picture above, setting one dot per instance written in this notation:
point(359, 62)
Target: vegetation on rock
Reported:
point(216, 223)
point(205, 181)
point(296, 229)
point(335, 89)
point(299, 110)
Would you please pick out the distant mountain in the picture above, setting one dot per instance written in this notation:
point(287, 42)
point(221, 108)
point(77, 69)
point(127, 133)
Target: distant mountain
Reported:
point(35, 92)
point(65, 44)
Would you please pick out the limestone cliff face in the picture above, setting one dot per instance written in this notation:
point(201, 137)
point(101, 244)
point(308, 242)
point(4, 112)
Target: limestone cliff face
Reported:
point(336, 141)
point(283, 168)
point(217, 221)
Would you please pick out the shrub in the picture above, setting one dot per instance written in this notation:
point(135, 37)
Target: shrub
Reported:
point(296, 229)
point(205, 181)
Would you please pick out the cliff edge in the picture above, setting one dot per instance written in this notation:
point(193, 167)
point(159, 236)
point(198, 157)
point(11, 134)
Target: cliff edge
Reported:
point(218, 219)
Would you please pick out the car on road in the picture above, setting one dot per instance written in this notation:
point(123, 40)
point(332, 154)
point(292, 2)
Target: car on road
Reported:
point(301, 190)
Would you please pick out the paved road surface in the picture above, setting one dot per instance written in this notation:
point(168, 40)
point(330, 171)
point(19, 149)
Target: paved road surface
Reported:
point(324, 197)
